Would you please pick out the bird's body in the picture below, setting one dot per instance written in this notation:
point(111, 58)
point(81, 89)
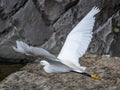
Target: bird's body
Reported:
point(75, 46)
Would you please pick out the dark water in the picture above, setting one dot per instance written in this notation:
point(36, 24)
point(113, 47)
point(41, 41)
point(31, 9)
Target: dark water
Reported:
point(7, 69)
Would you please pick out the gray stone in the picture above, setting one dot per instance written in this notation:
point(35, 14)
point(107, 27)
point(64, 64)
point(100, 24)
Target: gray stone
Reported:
point(25, 24)
point(52, 9)
point(4, 26)
point(30, 25)
point(7, 54)
point(46, 23)
point(8, 5)
point(33, 77)
point(106, 39)
point(103, 38)
point(11, 6)
point(24, 80)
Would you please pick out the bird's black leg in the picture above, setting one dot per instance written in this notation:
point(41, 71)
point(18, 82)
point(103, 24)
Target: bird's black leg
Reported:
point(83, 73)
point(86, 74)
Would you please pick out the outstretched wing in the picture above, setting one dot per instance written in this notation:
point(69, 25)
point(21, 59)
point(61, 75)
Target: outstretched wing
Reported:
point(78, 39)
point(33, 51)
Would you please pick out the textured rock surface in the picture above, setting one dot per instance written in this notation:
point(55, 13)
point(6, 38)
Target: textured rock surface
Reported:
point(23, 78)
point(46, 23)
point(6, 69)
point(52, 9)
point(32, 77)
point(26, 24)
point(31, 26)
point(34, 21)
point(106, 38)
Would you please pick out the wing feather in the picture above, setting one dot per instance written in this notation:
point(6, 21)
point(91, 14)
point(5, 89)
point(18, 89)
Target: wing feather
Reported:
point(78, 39)
point(33, 51)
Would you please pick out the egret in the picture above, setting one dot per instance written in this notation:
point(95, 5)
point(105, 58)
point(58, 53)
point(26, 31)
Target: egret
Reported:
point(75, 46)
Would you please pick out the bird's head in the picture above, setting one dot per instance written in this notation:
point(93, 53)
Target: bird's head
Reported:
point(44, 63)
point(46, 66)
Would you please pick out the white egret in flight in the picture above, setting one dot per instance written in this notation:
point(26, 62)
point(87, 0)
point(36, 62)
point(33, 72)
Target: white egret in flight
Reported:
point(75, 46)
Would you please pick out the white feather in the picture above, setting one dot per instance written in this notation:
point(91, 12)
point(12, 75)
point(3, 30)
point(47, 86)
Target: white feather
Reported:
point(78, 40)
point(33, 51)
point(74, 47)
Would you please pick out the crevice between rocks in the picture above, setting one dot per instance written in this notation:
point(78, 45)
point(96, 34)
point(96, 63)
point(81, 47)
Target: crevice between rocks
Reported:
point(15, 9)
point(69, 6)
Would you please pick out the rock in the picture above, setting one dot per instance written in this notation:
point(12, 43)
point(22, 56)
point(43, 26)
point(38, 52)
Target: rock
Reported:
point(10, 7)
point(32, 77)
point(24, 80)
point(31, 26)
point(5, 26)
point(46, 23)
point(106, 39)
point(26, 24)
point(7, 69)
point(34, 22)
point(52, 9)
point(7, 54)
point(103, 39)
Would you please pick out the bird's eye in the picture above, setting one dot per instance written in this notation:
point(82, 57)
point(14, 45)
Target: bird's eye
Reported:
point(42, 63)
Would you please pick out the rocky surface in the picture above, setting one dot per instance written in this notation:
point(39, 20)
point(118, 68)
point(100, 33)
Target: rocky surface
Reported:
point(38, 22)
point(6, 69)
point(107, 37)
point(35, 21)
point(46, 23)
point(32, 77)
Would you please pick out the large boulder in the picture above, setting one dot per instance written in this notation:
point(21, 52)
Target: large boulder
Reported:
point(26, 24)
point(46, 23)
point(33, 77)
point(51, 10)
point(106, 40)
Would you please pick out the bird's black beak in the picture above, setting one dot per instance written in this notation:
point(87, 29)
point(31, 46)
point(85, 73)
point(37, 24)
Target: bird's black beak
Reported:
point(88, 75)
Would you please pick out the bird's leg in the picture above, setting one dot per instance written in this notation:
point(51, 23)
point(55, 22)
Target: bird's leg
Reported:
point(91, 75)
point(88, 75)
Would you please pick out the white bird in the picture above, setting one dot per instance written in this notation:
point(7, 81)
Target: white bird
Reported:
point(75, 46)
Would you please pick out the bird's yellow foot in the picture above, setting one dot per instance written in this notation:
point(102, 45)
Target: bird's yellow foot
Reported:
point(95, 77)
